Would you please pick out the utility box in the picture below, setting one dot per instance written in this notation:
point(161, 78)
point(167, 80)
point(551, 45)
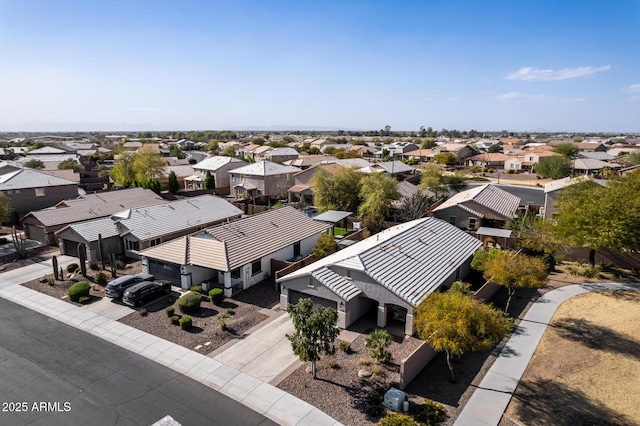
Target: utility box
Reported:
point(394, 399)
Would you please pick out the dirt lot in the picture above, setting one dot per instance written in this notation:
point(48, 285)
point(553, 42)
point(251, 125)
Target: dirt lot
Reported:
point(586, 369)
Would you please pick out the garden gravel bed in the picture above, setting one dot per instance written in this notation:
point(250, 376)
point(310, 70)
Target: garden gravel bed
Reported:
point(206, 333)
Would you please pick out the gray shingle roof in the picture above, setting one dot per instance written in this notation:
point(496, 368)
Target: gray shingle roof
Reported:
point(215, 162)
point(489, 196)
point(162, 219)
point(411, 260)
point(229, 246)
point(93, 206)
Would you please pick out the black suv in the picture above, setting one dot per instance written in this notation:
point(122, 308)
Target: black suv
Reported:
point(116, 288)
point(145, 291)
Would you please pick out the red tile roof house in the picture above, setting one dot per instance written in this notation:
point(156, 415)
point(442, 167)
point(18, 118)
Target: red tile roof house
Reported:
point(238, 254)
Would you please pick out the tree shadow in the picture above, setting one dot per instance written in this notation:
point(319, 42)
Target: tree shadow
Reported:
point(624, 295)
point(205, 313)
point(544, 402)
point(508, 352)
point(227, 305)
point(596, 336)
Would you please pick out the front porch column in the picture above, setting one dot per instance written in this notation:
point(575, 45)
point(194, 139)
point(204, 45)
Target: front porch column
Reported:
point(382, 315)
point(408, 325)
point(228, 291)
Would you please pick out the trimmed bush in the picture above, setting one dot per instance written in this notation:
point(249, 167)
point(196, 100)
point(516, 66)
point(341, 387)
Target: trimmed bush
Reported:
point(332, 364)
point(196, 289)
point(430, 413)
point(94, 266)
point(84, 300)
point(170, 311)
point(100, 278)
point(51, 281)
point(216, 295)
point(185, 322)
point(73, 267)
point(189, 303)
point(78, 290)
point(175, 320)
point(345, 347)
point(396, 419)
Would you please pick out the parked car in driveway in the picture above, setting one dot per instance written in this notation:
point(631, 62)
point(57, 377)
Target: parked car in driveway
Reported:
point(117, 287)
point(145, 291)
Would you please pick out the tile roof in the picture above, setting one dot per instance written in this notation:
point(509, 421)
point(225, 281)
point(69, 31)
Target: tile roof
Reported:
point(265, 168)
point(93, 206)
point(215, 162)
point(411, 259)
point(162, 219)
point(237, 243)
point(489, 196)
point(29, 178)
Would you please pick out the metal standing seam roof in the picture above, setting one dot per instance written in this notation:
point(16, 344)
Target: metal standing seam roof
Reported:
point(489, 196)
point(90, 229)
point(338, 284)
point(411, 260)
point(265, 168)
point(242, 241)
point(93, 206)
point(332, 216)
point(162, 219)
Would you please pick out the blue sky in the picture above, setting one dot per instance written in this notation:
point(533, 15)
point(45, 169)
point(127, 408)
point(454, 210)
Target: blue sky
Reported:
point(518, 65)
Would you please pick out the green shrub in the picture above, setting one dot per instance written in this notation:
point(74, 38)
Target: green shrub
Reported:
point(51, 281)
point(379, 340)
point(223, 321)
point(100, 278)
point(78, 290)
point(185, 322)
point(230, 312)
point(142, 312)
point(345, 347)
point(196, 289)
point(396, 419)
point(591, 272)
point(83, 300)
point(216, 295)
point(430, 413)
point(170, 311)
point(71, 268)
point(94, 266)
point(332, 364)
point(189, 303)
point(175, 320)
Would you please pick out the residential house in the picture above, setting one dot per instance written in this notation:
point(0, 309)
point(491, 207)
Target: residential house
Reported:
point(89, 233)
point(306, 161)
point(513, 163)
point(235, 255)
point(262, 178)
point(302, 190)
point(592, 166)
point(461, 150)
point(388, 274)
point(421, 155)
point(41, 225)
point(492, 160)
point(218, 166)
point(280, 155)
point(29, 189)
point(485, 205)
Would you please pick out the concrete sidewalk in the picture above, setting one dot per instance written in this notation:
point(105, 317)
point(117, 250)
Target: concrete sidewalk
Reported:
point(253, 392)
point(490, 400)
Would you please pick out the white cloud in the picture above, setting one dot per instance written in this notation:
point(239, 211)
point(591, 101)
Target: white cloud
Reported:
point(518, 96)
point(634, 88)
point(536, 74)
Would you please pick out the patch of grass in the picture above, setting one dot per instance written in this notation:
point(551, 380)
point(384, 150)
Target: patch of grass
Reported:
point(364, 361)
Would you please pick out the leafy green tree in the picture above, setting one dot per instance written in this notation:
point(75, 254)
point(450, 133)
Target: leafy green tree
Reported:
point(148, 164)
point(377, 191)
point(173, 184)
point(428, 143)
point(72, 164)
point(555, 167)
point(448, 158)
point(340, 191)
point(209, 180)
point(325, 245)
point(515, 271)
point(414, 207)
point(34, 164)
point(229, 151)
point(258, 141)
point(123, 171)
point(456, 182)
point(494, 148)
point(634, 156)
point(455, 323)
point(315, 331)
point(599, 217)
point(433, 180)
point(378, 341)
point(152, 184)
point(5, 208)
point(175, 151)
point(567, 149)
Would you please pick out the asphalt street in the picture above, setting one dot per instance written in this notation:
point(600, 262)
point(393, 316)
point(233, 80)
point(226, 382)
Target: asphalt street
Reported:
point(53, 374)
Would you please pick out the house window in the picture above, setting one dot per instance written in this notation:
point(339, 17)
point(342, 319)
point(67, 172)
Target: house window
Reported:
point(256, 267)
point(155, 242)
point(39, 192)
point(133, 245)
point(472, 223)
point(452, 220)
point(296, 249)
point(235, 274)
point(233, 178)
